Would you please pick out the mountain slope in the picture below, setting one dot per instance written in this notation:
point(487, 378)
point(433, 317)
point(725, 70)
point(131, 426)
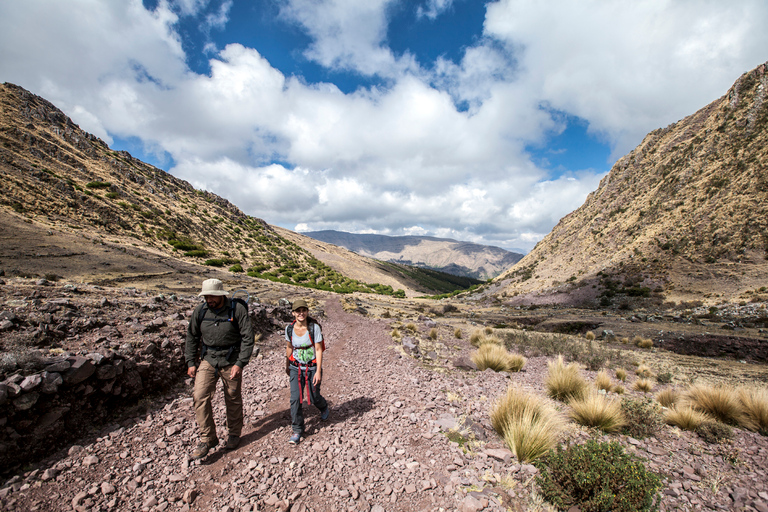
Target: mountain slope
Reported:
point(443, 254)
point(684, 216)
point(54, 174)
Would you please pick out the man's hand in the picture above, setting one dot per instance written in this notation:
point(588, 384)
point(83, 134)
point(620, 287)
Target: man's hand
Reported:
point(236, 373)
point(191, 371)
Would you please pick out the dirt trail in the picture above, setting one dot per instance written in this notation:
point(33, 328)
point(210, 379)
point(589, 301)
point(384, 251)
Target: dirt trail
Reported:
point(377, 451)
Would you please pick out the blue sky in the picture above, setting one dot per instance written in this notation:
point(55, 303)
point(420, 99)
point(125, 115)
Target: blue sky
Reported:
point(479, 121)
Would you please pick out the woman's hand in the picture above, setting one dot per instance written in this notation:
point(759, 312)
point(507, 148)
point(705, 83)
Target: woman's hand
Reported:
point(318, 377)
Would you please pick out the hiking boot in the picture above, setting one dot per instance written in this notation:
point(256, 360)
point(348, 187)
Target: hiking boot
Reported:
point(233, 442)
point(201, 450)
point(324, 413)
point(295, 439)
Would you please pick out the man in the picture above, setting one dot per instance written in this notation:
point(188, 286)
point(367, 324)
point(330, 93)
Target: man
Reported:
point(220, 330)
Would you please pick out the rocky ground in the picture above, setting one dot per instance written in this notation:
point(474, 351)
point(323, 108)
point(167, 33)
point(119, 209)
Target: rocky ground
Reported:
point(404, 434)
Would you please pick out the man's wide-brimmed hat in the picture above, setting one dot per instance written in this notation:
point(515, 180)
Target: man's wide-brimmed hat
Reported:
point(212, 287)
point(299, 303)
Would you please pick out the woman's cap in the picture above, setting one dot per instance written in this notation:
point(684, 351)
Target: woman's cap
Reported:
point(299, 303)
point(212, 287)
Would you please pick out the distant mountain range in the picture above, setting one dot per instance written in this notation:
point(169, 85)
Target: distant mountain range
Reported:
point(443, 254)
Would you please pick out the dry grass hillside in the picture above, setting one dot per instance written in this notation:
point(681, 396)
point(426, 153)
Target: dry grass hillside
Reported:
point(682, 217)
point(60, 178)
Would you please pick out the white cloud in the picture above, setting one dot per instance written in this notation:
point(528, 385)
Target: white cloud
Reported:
point(348, 35)
point(433, 9)
point(630, 67)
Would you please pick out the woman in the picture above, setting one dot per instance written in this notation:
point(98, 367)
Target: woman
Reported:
point(304, 366)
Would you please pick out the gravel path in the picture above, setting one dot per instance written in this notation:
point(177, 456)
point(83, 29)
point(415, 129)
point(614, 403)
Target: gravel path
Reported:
point(384, 446)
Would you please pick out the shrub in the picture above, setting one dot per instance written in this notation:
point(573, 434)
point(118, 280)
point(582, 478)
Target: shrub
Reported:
point(564, 382)
point(621, 374)
point(644, 385)
point(457, 334)
point(596, 477)
point(214, 263)
point(449, 308)
point(98, 184)
point(664, 378)
point(595, 410)
point(603, 380)
point(642, 416)
point(720, 402)
point(197, 253)
point(685, 417)
point(667, 397)
point(714, 432)
point(236, 268)
point(754, 402)
point(590, 335)
point(111, 195)
point(529, 426)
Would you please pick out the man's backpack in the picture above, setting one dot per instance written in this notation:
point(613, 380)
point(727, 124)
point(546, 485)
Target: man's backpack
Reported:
point(233, 302)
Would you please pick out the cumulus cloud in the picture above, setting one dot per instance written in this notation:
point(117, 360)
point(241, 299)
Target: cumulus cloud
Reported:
point(630, 67)
point(439, 149)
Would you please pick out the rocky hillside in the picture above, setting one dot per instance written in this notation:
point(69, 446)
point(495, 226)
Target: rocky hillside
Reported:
point(682, 217)
point(443, 254)
point(56, 176)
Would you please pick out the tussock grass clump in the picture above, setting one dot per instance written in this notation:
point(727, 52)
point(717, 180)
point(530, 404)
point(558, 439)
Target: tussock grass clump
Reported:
point(433, 333)
point(644, 385)
point(496, 357)
point(637, 340)
point(619, 390)
point(488, 330)
point(458, 334)
point(517, 361)
point(720, 402)
point(590, 335)
point(685, 417)
point(564, 382)
point(621, 374)
point(475, 337)
point(603, 380)
point(411, 327)
point(530, 427)
point(754, 402)
point(645, 343)
point(643, 371)
point(395, 334)
point(668, 397)
point(491, 339)
point(598, 411)
point(625, 340)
